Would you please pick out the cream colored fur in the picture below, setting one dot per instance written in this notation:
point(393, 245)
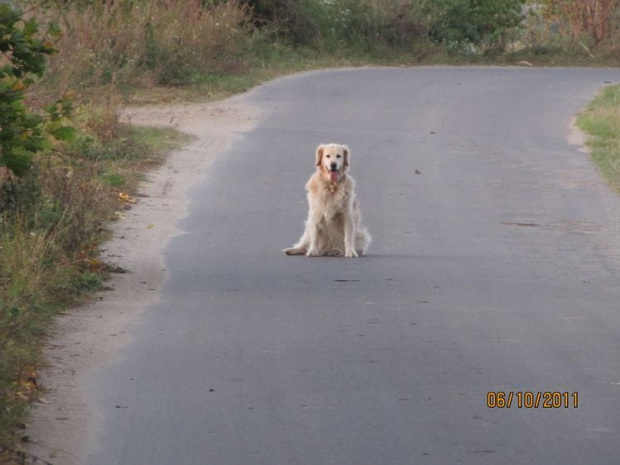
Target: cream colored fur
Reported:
point(334, 219)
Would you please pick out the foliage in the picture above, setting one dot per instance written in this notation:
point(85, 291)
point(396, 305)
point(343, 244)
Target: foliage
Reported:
point(601, 121)
point(22, 132)
point(595, 19)
point(338, 25)
point(139, 43)
point(49, 245)
point(462, 24)
point(291, 22)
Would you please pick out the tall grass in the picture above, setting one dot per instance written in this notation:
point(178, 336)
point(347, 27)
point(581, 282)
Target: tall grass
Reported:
point(152, 42)
point(52, 222)
point(37, 278)
point(127, 44)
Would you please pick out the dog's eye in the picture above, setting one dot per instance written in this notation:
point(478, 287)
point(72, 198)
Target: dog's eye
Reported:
point(338, 156)
point(327, 156)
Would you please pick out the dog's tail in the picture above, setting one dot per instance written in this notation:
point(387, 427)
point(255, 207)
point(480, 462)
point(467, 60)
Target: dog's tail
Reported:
point(362, 241)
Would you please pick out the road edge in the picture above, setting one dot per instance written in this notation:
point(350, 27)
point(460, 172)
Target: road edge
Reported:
point(63, 426)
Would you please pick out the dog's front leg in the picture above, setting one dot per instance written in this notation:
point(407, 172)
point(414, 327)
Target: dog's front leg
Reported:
point(312, 229)
point(349, 237)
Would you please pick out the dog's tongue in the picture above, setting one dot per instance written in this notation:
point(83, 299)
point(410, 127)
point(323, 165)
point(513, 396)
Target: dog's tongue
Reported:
point(334, 176)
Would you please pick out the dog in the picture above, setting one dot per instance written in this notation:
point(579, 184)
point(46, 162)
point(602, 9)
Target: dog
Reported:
point(333, 227)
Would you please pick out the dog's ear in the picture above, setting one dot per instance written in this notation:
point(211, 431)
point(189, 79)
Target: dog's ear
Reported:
point(346, 155)
point(319, 155)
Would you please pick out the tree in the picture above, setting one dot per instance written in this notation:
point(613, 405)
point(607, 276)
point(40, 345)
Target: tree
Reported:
point(22, 59)
point(592, 18)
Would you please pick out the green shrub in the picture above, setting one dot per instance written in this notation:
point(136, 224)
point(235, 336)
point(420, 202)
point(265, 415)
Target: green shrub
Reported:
point(22, 132)
point(340, 25)
point(472, 25)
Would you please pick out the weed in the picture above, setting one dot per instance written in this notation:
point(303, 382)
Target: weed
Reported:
point(49, 236)
point(601, 121)
point(114, 180)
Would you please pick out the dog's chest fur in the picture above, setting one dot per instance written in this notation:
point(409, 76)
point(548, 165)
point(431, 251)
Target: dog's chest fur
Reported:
point(329, 197)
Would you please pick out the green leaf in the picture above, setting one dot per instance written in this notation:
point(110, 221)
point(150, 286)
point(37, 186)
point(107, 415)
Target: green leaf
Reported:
point(54, 30)
point(24, 133)
point(31, 27)
point(65, 133)
point(18, 161)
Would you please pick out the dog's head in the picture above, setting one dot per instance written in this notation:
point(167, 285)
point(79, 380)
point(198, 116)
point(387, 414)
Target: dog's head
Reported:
point(332, 160)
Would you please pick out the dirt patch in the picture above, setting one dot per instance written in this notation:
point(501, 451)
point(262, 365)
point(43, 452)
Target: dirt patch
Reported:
point(576, 136)
point(63, 424)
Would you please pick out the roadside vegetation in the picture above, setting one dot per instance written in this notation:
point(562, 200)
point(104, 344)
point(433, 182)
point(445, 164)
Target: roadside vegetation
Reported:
point(67, 67)
point(601, 121)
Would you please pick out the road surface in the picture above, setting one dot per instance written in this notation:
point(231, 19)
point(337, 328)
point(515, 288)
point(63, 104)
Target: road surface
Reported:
point(495, 269)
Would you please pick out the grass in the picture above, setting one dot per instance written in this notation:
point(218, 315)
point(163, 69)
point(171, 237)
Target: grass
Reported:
point(601, 121)
point(49, 240)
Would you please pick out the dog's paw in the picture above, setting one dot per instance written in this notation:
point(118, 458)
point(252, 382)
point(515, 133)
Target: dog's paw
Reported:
point(350, 254)
point(312, 253)
point(294, 251)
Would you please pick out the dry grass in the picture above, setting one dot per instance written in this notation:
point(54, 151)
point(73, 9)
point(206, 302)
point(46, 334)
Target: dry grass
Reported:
point(51, 224)
point(593, 21)
point(46, 240)
point(146, 43)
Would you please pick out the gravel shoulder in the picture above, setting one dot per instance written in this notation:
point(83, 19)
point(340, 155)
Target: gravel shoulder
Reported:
point(63, 424)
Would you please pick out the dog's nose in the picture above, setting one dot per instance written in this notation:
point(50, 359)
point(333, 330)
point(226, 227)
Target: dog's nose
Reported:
point(333, 166)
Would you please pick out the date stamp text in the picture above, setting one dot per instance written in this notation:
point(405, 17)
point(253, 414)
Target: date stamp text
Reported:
point(531, 400)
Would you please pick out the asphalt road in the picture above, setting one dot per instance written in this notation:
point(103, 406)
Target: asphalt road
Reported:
point(495, 269)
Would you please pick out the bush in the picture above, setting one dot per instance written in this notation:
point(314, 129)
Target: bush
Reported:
point(287, 19)
point(472, 25)
point(22, 132)
point(340, 25)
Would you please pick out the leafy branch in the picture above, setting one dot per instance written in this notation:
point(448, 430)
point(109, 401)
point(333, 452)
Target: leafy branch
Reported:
point(22, 59)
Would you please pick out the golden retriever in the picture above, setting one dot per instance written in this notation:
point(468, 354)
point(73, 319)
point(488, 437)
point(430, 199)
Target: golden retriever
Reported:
point(334, 219)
